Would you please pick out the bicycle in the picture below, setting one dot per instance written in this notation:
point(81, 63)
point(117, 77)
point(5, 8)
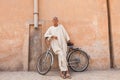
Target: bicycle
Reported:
point(78, 60)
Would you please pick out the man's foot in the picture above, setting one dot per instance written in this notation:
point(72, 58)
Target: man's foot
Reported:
point(62, 74)
point(68, 75)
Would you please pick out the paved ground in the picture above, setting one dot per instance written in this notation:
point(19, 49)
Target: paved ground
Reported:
point(53, 75)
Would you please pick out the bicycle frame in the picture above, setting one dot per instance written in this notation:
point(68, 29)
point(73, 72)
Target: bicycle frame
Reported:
point(49, 52)
point(70, 50)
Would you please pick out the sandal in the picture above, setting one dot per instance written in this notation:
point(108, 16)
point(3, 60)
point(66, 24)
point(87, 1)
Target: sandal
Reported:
point(62, 75)
point(68, 75)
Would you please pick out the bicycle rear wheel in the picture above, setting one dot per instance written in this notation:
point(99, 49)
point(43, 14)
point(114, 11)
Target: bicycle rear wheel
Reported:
point(78, 61)
point(44, 63)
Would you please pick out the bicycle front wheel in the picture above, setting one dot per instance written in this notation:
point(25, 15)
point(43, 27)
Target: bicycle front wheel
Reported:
point(44, 63)
point(78, 60)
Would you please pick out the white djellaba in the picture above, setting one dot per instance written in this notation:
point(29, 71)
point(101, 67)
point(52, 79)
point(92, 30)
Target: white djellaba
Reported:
point(59, 45)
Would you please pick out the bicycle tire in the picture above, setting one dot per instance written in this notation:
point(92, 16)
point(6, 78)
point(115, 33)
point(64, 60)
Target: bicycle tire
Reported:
point(40, 64)
point(81, 53)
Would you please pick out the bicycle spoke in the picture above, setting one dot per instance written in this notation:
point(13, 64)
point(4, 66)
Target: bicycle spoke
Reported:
point(78, 61)
point(44, 63)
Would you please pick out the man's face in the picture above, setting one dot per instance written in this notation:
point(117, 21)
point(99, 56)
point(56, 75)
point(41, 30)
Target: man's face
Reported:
point(55, 21)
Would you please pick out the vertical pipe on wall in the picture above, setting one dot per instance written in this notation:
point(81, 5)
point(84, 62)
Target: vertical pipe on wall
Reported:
point(36, 14)
point(110, 35)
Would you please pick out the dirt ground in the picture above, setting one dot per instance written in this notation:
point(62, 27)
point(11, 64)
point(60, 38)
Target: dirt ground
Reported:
point(54, 75)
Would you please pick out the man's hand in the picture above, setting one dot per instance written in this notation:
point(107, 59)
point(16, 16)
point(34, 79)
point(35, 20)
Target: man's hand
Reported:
point(54, 37)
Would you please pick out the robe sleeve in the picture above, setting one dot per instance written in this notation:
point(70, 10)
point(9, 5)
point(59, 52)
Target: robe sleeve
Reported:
point(65, 33)
point(48, 34)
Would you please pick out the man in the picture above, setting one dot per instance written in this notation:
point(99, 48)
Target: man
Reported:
point(58, 38)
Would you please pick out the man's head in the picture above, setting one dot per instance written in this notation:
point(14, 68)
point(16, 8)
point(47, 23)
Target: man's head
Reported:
point(55, 21)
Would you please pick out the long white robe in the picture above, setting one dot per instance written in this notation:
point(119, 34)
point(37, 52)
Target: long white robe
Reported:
point(59, 45)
